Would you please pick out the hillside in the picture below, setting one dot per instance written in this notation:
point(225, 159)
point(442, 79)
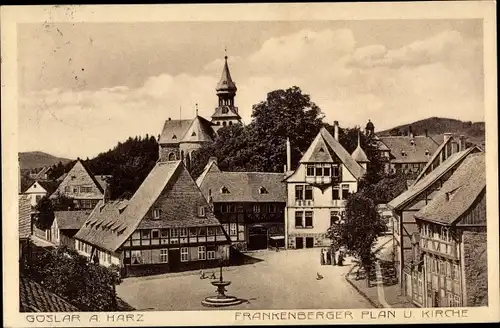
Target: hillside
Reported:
point(37, 159)
point(437, 126)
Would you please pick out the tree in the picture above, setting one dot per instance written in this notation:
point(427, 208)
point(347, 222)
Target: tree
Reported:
point(70, 275)
point(261, 146)
point(362, 226)
point(45, 215)
point(63, 203)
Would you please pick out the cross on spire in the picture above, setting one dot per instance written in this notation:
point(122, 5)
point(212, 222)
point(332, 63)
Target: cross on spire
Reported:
point(225, 53)
point(196, 109)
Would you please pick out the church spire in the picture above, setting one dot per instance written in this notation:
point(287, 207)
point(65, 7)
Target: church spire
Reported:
point(359, 155)
point(226, 84)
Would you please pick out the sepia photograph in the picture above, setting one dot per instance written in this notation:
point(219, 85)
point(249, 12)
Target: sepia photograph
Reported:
point(292, 167)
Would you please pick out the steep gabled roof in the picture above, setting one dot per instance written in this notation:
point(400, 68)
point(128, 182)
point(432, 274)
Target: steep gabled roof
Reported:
point(42, 172)
point(333, 149)
point(210, 167)
point(76, 167)
point(111, 224)
point(428, 180)
point(457, 194)
point(414, 153)
point(33, 297)
point(173, 131)
point(358, 154)
point(244, 187)
point(200, 130)
point(49, 186)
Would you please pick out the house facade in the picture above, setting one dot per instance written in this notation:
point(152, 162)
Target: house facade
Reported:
point(249, 205)
point(450, 269)
point(167, 225)
point(418, 195)
point(39, 189)
point(317, 189)
point(80, 185)
point(65, 225)
point(179, 138)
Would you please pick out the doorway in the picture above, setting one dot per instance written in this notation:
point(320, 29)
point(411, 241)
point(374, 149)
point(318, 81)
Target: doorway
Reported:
point(309, 242)
point(257, 237)
point(299, 242)
point(174, 258)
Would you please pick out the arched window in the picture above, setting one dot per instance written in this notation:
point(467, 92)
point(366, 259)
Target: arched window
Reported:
point(224, 123)
point(230, 123)
point(224, 110)
point(171, 157)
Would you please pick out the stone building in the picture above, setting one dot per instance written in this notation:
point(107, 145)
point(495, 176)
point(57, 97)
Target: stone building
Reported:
point(179, 138)
point(318, 187)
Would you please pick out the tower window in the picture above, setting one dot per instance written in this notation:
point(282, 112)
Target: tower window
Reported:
point(224, 110)
point(223, 123)
point(230, 123)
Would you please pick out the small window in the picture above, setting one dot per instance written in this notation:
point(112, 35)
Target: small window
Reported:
point(183, 232)
point(345, 191)
point(335, 171)
point(230, 123)
point(263, 190)
point(224, 190)
point(256, 208)
point(310, 170)
point(174, 137)
point(224, 123)
point(193, 134)
point(163, 255)
point(202, 253)
point(184, 254)
point(201, 211)
point(298, 219)
point(211, 231)
point(211, 255)
point(224, 110)
point(321, 150)
point(174, 233)
point(233, 229)
point(309, 193)
point(155, 234)
point(319, 171)
point(164, 233)
point(299, 192)
point(334, 217)
point(309, 219)
point(156, 213)
point(326, 171)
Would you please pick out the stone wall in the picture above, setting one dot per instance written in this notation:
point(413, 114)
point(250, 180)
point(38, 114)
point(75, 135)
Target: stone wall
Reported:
point(475, 268)
point(165, 151)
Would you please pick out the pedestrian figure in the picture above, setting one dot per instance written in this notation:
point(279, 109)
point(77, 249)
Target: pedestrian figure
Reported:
point(322, 259)
point(341, 258)
point(202, 274)
point(328, 256)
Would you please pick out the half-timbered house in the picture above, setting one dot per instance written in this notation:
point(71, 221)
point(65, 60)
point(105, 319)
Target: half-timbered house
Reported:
point(167, 225)
point(250, 205)
point(415, 198)
point(450, 269)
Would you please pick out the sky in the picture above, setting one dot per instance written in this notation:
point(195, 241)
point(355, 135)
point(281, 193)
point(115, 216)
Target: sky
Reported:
point(83, 87)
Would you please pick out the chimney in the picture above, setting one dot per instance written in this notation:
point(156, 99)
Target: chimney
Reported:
point(288, 155)
point(426, 133)
point(336, 130)
point(462, 144)
point(105, 196)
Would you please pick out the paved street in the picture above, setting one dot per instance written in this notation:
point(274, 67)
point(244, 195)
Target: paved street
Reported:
point(283, 280)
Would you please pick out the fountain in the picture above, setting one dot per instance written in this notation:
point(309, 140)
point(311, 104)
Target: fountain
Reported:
point(221, 299)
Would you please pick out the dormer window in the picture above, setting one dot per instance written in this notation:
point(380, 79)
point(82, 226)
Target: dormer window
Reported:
point(263, 190)
point(427, 153)
point(403, 153)
point(156, 213)
point(224, 190)
point(412, 142)
point(201, 211)
point(321, 150)
point(174, 137)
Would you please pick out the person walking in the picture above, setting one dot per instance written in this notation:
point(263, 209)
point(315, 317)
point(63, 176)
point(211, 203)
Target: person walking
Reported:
point(328, 256)
point(322, 259)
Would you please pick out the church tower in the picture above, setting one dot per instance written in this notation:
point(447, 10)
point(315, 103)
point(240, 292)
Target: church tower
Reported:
point(226, 113)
